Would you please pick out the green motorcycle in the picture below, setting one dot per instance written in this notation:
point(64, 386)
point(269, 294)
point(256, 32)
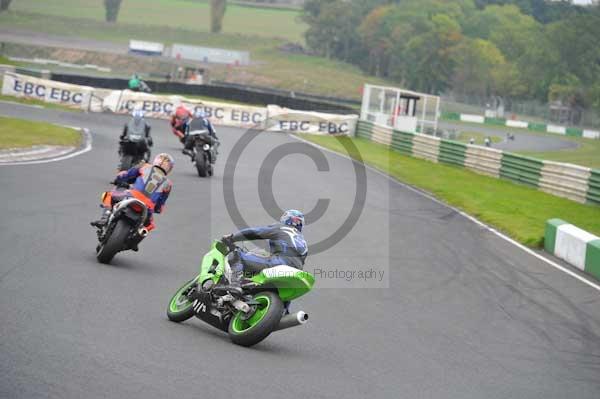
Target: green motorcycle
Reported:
point(250, 316)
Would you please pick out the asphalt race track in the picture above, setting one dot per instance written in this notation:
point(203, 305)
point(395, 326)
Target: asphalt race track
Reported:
point(524, 141)
point(466, 314)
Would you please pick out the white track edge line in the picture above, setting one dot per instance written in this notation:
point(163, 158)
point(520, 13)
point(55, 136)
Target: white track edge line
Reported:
point(462, 213)
point(87, 147)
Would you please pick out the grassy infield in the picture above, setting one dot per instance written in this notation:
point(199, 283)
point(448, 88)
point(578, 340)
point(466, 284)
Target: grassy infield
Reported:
point(514, 209)
point(19, 133)
point(586, 154)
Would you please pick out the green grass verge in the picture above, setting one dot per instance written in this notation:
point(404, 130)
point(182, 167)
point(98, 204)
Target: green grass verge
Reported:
point(518, 211)
point(587, 154)
point(6, 61)
point(18, 133)
point(239, 19)
point(478, 136)
point(122, 32)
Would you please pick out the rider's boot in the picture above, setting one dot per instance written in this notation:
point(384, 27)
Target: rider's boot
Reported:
point(103, 219)
point(234, 285)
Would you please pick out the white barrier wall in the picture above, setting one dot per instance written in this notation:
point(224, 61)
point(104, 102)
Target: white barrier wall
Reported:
point(97, 99)
point(591, 134)
point(272, 118)
point(556, 129)
point(565, 180)
point(288, 120)
point(381, 134)
point(519, 124)
point(426, 147)
point(483, 160)
point(571, 244)
point(160, 106)
point(50, 91)
point(472, 118)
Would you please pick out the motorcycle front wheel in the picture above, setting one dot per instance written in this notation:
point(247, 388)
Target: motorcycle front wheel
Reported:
point(180, 308)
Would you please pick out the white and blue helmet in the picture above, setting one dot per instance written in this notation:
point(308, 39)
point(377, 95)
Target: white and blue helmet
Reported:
point(294, 218)
point(138, 114)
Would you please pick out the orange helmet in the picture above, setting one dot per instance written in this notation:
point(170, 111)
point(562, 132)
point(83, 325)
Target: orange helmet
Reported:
point(164, 161)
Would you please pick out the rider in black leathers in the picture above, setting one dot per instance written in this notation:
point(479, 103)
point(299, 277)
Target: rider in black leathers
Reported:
point(135, 138)
point(286, 242)
point(199, 122)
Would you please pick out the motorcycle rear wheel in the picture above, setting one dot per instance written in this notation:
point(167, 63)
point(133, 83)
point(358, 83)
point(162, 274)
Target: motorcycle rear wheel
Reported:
point(115, 243)
point(250, 331)
point(201, 164)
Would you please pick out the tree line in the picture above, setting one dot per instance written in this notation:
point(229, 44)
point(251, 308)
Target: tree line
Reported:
point(515, 49)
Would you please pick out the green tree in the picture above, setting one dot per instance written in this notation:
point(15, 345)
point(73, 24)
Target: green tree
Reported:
point(332, 27)
point(478, 67)
point(567, 89)
point(112, 8)
point(529, 55)
point(594, 97)
point(393, 33)
point(376, 36)
point(330, 30)
point(217, 13)
point(514, 32)
point(431, 55)
point(4, 5)
point(577, 42)
point(509, 29)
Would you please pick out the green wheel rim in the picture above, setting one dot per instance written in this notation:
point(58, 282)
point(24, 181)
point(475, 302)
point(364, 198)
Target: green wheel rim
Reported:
point(240, 326)
point(179, 302)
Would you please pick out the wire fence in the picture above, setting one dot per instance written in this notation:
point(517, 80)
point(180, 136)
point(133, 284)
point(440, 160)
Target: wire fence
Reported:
point(534, 111)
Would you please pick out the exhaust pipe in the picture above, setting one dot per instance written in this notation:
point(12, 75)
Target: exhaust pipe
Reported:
point(292, 320)
point(143, 232)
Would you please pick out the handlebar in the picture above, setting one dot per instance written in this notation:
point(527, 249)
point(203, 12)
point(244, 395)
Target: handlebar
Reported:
point(120, 184)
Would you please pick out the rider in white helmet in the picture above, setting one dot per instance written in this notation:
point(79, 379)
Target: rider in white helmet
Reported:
point(199, 122)
point(136, 138)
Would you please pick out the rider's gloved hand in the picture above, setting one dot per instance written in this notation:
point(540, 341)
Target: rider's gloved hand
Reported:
point(228, 241)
